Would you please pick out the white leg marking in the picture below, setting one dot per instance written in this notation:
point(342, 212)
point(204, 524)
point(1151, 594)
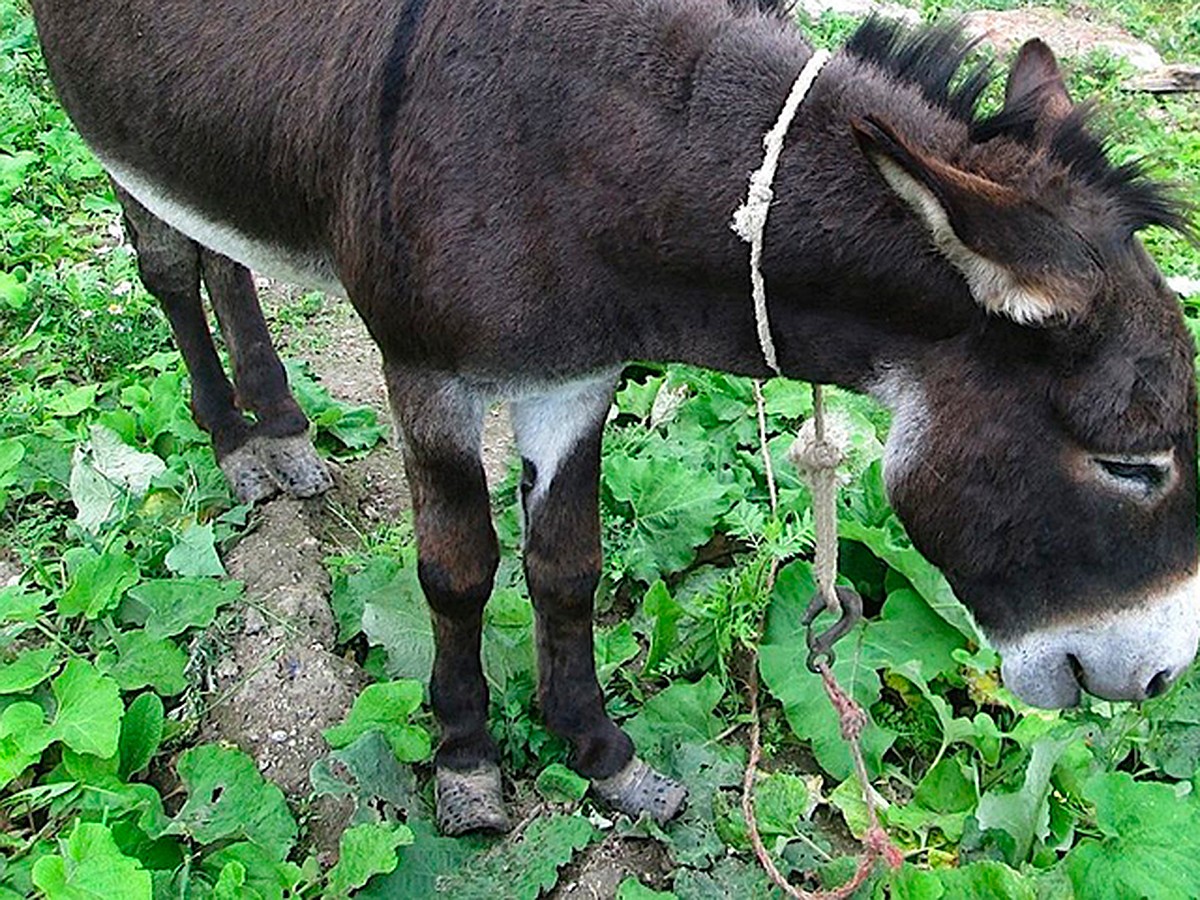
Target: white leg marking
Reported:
point(549, 425)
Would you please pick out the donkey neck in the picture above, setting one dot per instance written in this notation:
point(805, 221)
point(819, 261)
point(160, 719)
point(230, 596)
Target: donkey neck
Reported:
point(852, 286)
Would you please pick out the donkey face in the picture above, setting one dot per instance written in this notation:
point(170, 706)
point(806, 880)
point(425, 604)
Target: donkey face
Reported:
point(1046, 459)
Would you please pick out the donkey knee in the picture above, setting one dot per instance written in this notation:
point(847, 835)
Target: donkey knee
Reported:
point(562, 591)
point(461, 590)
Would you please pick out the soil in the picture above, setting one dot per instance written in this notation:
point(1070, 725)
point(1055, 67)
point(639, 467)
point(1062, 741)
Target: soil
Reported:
point(597, 873)
point(1067, 35)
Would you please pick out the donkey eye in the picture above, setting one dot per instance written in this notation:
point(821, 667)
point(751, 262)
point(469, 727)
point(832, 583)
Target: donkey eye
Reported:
point(1143, 475)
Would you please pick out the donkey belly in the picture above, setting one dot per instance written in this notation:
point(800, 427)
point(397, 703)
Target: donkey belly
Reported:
point(276, 260)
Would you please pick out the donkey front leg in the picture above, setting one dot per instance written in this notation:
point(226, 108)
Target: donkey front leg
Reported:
point(280, 435)
point(559, 438)
point(441, 422)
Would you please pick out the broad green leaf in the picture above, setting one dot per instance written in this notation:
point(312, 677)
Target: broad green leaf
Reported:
point(1174, 742)
point(909, 631)
point(104, 470)
point(890, 544)
point(509, 656)
point(195, 554)
point(394, 615)
point(661, 607)
point(90, 770)
point(381, 577)
point(141, 733)
point(20, 605)
point(73, 402)
point(946, 787)
point(265, 876)
point(670, 509)
point(782, 664)
point(1025, 813)
point(358, 428)
point(729, 878)
point(172, 605)
point(12, 451)
point(29, 669)
point(23, 736)
point(780, 801)
point(385, 708)
point(527, 867)
point(632, 889)
point(229, 799)
point(637, 399)
point(142, 660)
point(984, 880)
point(355, 427)
point(94, 496)
point(367, 772)
point(91, 867)
point(365, 851)
point(558, 784)
point(128, 468)
point(1150, 847)
point(13, 293)
point(847, 798)
point(98, 585)
point(89, 710)
point(681, 710)
point(615, 646)
point(231, 884)
point(426, 865)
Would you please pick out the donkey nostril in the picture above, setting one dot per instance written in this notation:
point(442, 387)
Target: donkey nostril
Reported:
point(1159, 683)
point(1076, 669)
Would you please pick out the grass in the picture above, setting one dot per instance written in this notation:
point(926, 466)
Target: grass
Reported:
point(114, 520)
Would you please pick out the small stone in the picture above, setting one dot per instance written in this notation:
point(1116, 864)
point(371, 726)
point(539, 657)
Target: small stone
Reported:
point(226, 669)
point(254, 622)
point(279, 736)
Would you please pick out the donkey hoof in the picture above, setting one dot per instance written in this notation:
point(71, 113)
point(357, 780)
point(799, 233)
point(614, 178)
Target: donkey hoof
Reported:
point(638, 789)
point(247, 475)
point(470, 801)
point(294, 464)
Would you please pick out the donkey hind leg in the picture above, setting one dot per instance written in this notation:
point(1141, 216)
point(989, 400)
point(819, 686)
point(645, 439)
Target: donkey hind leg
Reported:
point(441, 420)
point(169, 265)
point(280, 436)
point(559, 436)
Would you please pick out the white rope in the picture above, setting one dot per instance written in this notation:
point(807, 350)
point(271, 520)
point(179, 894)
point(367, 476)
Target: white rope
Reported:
point(750, 219)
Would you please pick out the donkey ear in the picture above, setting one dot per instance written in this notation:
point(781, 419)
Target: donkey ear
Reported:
point(1017, 259)
point(1035, 82)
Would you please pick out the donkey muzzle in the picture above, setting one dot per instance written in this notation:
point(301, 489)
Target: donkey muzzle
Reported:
point(1128, 654)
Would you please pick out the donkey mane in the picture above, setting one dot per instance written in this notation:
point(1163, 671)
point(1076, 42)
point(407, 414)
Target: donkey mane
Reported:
point(935, 60)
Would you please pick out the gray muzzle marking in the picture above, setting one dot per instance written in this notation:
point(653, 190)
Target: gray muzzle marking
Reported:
point(1132, 654)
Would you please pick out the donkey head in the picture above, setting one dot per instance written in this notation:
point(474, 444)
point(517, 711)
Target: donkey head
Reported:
point(1045, 459)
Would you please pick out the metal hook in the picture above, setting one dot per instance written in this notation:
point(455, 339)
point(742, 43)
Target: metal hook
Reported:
point(820, 646)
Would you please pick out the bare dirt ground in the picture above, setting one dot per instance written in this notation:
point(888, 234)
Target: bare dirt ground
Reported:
point(281, 682)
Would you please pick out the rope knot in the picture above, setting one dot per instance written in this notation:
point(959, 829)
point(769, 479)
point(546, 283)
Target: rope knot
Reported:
point(812, 457)
point(750, 218)
point(880, 846)
point(851, 717)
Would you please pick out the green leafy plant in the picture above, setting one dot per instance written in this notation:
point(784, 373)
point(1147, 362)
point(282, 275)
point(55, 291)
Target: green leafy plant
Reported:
point(114, 521)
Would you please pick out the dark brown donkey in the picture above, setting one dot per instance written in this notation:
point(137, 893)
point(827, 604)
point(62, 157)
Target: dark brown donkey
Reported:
point(520, 195)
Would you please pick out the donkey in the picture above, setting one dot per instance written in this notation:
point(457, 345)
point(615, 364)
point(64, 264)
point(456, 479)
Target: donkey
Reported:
point(518, 196)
